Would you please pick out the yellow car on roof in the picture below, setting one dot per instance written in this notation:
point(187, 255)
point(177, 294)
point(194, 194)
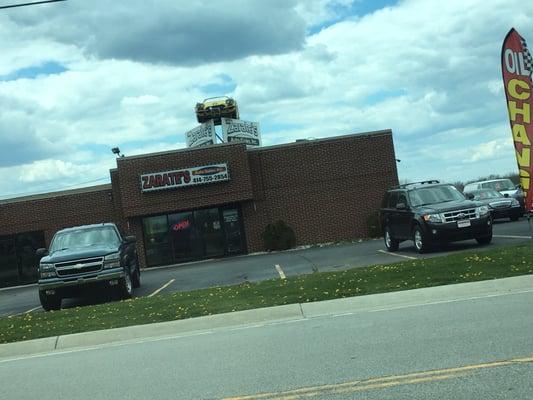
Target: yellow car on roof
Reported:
point(215, 108)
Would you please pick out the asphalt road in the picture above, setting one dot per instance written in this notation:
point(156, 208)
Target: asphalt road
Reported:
point(478, 348)
point(254, 268)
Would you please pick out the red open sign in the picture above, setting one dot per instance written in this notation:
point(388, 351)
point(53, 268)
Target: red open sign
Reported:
point(181, 225)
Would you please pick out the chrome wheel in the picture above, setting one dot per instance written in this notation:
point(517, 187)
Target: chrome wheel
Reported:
point(127, 283)
point(418, 239)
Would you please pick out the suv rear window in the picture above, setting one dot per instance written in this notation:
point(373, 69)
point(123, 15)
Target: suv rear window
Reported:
point(434, 194)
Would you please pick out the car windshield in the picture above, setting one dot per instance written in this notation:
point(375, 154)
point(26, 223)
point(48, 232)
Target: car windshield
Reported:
point(84, 238)
point(504, 184)
point(434, 195)
point(487, 194)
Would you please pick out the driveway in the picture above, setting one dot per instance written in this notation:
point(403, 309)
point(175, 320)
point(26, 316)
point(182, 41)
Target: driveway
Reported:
point(259, 267)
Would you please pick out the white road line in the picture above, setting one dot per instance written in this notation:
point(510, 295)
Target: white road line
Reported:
point(33, 309)
point(397, 255)
point(280, 272)
point(161, 288)
point(511, 237)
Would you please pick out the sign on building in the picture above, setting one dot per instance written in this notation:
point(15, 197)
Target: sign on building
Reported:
point(236, 130)
point(184, 177)
point(202, 135)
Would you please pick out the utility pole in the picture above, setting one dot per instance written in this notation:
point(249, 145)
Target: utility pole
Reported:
point(33, 3)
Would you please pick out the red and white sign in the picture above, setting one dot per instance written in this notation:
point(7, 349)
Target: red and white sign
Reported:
point(517, 68)
point(184, 177)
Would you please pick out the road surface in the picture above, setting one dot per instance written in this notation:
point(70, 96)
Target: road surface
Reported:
point(479, 348)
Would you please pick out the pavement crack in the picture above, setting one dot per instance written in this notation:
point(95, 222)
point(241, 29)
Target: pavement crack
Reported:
point(55, 345)
point(302, 310)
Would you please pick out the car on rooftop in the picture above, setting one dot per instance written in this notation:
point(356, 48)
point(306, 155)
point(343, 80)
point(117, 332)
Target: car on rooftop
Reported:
point(431, 213)
point(215, 108)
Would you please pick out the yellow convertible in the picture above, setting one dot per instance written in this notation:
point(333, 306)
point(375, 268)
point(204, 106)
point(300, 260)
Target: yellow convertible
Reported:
point(215, 108)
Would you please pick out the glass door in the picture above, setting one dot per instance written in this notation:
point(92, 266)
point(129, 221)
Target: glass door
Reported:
point(210, 229)
point(156, 241)
point(233, 231)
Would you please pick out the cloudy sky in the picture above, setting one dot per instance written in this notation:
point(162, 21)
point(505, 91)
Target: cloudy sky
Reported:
point(80, 77)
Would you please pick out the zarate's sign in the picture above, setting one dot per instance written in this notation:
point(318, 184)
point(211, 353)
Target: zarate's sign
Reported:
point(184, 177)
point(517, 68)
point(236, 130)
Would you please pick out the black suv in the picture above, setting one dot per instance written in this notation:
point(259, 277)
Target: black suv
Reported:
point(431, 213)
point(85, 258)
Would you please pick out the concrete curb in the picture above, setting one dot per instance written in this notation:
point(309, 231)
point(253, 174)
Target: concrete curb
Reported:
point(375, 302)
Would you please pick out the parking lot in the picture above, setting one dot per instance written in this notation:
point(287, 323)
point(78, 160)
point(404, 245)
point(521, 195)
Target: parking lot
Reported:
point(258, 267)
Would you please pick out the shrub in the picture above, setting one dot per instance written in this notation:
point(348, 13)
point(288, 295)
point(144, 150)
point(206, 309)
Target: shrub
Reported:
point(278, 236)
point(373, 226)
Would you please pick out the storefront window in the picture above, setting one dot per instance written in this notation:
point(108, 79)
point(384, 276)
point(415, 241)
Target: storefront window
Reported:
point(193, 235)
point(18, 262)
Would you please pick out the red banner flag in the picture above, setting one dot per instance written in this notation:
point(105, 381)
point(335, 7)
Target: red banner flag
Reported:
point(517, 68)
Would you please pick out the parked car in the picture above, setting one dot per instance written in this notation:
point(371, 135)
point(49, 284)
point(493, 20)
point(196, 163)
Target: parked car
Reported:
point(430, 213)
point(87, 258)
point(215, 108)
point(499, 205)
point(504, 186)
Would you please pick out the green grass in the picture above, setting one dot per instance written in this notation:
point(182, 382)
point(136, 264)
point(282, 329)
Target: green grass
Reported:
point(457, 268)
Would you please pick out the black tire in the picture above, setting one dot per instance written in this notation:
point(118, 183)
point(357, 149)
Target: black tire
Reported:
point(420, 240)
point(484, 240)
point(49, 302)
point(390, 243)
point(136, 277)
point(125, 285)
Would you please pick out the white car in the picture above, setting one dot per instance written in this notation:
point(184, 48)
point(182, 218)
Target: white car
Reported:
point(504, 186)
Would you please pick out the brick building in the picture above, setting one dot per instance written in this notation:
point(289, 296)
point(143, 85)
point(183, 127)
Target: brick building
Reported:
point(212, 201)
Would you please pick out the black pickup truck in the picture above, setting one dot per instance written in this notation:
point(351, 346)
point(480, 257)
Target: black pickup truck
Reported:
point(84, 259)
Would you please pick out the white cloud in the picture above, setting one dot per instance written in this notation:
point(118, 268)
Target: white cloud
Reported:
point(429, 70)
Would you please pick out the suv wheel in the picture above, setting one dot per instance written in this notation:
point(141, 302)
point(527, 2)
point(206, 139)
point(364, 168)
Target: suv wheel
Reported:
point(49, 302)
point(419, 240)
point(484, 239)
point(126, 285)
point(390, 243)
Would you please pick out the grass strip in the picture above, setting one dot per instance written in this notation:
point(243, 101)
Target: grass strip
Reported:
point(457, 268)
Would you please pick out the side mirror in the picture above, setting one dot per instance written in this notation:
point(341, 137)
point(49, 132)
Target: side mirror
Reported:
point(506, 195)
point(401, 206)
point(130, 239)
point(519, 186)
point(469, 196)
point(41, 252)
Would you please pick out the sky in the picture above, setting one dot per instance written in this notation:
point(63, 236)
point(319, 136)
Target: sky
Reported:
point(80, 77)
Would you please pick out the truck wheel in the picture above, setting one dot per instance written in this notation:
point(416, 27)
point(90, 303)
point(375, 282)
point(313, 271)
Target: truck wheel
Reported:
point(390, 243)
point(484, 239)
point(49, 302)
point(136, 278)
point(125, 286)
point(419, 240)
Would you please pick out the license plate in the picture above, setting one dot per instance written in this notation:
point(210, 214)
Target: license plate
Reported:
point(463, 223)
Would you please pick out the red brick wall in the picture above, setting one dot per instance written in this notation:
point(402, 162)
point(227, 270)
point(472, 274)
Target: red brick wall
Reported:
point(136, 203)
point(324, 189)
point(54, 213)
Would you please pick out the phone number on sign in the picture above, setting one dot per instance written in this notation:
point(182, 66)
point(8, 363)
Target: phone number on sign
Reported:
point(210, 178)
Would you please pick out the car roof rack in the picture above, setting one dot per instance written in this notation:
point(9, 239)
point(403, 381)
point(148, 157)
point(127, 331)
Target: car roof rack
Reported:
point(406, 185)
